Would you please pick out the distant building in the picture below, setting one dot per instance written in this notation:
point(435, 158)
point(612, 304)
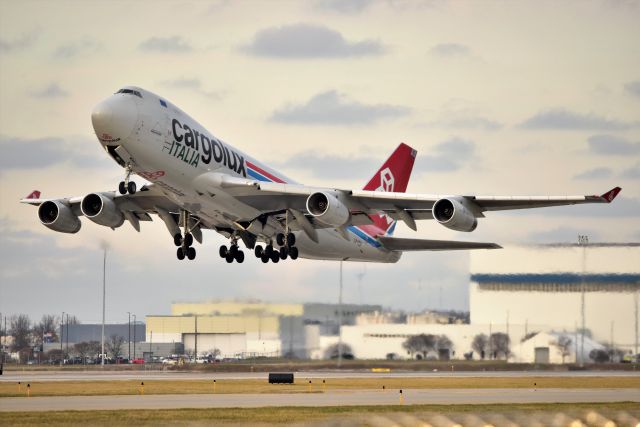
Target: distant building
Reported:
point(85, 332)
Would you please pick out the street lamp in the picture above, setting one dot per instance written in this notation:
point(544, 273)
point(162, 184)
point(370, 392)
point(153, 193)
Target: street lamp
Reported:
point(61, 336)
point(129, 330)
point(104, 295)
point(134, 336)
point(583, 241)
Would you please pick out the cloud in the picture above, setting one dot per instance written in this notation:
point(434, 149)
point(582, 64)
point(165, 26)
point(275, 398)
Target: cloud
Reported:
point(329, 166)
point(333, 108)
point(194, 85)
point(464, 122)
point(561, 119)
point(21, 43)
point(633, 88)
point(308, 41)
point(631, 173)
point(344, 6)
point(174, 44)
point(77, 49)
point(447, 156)
point(52, 91)
point(563, 235)
point(20, 153)
point(597, 173)
point(613, 145)
point(450, 50)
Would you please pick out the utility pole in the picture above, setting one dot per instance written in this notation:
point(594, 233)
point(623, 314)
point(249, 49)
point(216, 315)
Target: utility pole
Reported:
point(104, 294)
point(134, 336)
point(583, 241)
point(196, 339)
point(67, 334)
point(61, 336)
point(635, 297)
point(129, 339)
point(340, 320)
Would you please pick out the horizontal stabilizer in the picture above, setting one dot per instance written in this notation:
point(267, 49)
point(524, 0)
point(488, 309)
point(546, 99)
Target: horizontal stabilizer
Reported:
point(401, 244)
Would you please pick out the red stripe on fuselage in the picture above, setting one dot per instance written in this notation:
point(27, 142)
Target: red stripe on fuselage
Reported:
point(265, 173)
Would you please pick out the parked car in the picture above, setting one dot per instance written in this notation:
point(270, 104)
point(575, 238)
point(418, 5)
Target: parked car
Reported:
point(138, 361)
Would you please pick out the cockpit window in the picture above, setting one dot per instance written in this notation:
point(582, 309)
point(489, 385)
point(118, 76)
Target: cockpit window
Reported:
point(131, 92)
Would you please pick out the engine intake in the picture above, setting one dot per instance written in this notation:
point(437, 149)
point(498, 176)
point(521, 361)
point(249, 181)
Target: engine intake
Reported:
point(58, 217)
point(455, 213)
point(101, 209)
point(328, 209)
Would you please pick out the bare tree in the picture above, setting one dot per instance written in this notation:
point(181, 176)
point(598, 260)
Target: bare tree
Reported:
point(421, 344)
point(479, 344)
point(83, 349)
point(94, 348)
point(564, 345)
point(332, 351)
point(444, 347)
point(114, 345)
point(45, 330)
point(499, 343)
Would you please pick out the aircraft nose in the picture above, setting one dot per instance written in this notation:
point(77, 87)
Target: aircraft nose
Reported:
point(115, 118)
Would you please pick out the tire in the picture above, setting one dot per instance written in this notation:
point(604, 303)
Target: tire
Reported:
point(258, 251)
point(275, 257)
point(264, 258)
point(177, 240)
point(229, 258)
point(293, 253)
point(122, 188)
point(268, 250)
point(223, 251)
point(131, 187)
point(291, 240)
point(239, 257)
point(188, 239)
point(180, 254)
point(280, 239)
point(283, 253)
point(191, 253)
point(233, 250)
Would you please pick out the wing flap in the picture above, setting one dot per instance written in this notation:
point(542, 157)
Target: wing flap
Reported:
point(402, 244)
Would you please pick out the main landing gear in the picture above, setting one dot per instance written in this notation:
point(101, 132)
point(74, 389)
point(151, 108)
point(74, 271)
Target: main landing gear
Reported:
point(287, 249)
point(232, 253)
point(127, 186)
point(185, 250)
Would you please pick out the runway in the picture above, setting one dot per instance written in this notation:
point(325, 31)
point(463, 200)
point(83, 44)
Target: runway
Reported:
point(27, 375)
point(330, 398)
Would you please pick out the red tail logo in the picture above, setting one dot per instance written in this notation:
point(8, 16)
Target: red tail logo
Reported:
point(393, 176)
point(35, 194)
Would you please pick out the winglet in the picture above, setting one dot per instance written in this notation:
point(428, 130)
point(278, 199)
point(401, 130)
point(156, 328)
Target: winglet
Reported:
point(611, 194)
point(35, 194)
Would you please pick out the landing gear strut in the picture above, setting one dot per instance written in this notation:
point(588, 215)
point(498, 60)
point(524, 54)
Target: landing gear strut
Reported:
point(185, 250)
point(233, 252)
point(127, 186)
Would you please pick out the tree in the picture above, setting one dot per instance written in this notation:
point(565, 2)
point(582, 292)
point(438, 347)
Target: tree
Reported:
point(421, 344)
point(94, 348)
point(499, 343)
point(83, 349)
point(599, 355)
point(564, 345)
point(45, 330)
point(479, 344)
point(332, 351)
point(114, 345)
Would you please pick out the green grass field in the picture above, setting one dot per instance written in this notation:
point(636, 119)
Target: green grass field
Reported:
point(127, 387)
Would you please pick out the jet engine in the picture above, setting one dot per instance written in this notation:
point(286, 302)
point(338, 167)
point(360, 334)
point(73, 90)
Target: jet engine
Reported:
point(456, 213)
point(328, 209)
point(101, 209)
point(57, 216)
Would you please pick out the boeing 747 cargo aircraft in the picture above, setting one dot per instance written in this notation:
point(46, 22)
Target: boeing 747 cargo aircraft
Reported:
point(200, 182)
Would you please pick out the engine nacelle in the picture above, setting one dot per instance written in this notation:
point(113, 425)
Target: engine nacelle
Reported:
point(59, 217)
point(455, 213)
point(328, 209)
point(101, 209)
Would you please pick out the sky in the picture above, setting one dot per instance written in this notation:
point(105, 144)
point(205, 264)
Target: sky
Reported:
point(499, 98)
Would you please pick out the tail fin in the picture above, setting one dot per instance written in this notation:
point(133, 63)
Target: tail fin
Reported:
point(35, 194)
point(393, 176)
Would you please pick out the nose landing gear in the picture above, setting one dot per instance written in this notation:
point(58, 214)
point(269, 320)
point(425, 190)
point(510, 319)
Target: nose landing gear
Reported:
point(127, 186)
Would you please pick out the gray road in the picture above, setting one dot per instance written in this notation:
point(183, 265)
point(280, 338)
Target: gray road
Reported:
point(15, 376)
point(331, 398)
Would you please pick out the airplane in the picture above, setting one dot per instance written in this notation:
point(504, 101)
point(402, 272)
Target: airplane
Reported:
point(198, 182)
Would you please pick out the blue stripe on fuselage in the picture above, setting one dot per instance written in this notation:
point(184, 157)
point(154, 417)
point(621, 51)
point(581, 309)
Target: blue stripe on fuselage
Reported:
point(258, 176)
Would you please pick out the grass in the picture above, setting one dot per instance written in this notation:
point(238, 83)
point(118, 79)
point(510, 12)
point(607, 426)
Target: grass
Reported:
point(289, 415)
point(130, 387)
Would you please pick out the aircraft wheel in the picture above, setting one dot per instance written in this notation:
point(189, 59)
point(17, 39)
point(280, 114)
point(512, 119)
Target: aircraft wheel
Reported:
point(258, 251)
point(223, 251)
point(180, 254)
point(188, 239)
point(275, 257)
point(191, 253)
point(293, 253)
point(239, 257)
point(291, 240)
point(280, 239)
point(177, 239)
point(268, 250)
point(131, 187)
point(122, 188)
point(283, 253)
point(264, 258)
point(229, 258)
point(233, 250)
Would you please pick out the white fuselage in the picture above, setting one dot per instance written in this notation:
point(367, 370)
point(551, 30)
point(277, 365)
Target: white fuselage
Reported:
point(167, 147)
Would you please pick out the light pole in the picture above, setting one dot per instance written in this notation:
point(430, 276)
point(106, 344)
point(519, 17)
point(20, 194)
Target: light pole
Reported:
point(61, 337)
point(134, 336)
point(583, 241)
point(340, 320)
point(104, 294)
point(67, 334)
point(129, 339)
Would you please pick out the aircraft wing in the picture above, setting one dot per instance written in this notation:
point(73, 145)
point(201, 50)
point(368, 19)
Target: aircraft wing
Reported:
point(401, 244)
